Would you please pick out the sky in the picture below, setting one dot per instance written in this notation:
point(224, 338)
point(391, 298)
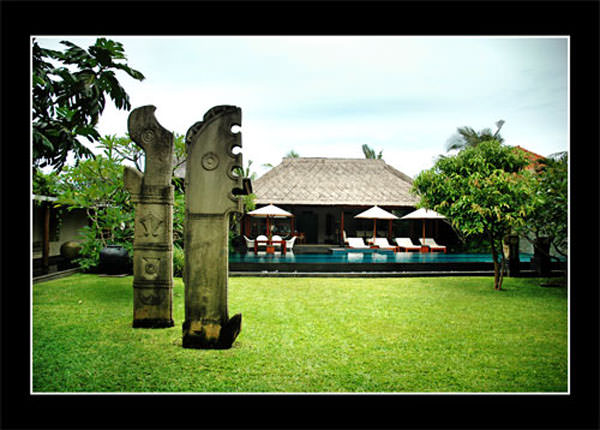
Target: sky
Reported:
point(326, 96)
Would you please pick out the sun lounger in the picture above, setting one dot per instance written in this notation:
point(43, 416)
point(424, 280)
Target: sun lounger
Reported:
point(356, 242)
point(432, 245)
point(383, 243)
point(405, 244)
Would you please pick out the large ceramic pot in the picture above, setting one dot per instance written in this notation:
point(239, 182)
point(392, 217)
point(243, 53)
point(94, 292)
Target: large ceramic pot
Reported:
point(70, 250)
point(114, 259)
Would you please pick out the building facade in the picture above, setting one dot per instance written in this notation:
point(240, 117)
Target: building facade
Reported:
point(324, 195)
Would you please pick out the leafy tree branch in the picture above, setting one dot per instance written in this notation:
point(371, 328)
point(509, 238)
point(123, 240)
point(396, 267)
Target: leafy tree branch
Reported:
point(68, 98)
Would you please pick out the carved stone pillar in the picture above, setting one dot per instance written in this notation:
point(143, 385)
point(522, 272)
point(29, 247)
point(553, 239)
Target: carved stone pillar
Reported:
point(152, 194)
point(211, 194)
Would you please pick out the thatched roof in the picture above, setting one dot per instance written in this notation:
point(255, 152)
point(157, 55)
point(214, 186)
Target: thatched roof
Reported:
point(334, 181)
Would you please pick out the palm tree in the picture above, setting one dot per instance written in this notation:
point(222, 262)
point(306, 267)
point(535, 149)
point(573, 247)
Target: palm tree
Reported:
point(370, 153)
point(291, 154)
point(467, 137)
point(246, 173)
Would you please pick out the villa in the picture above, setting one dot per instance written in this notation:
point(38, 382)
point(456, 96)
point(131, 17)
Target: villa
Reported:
point(324, 195)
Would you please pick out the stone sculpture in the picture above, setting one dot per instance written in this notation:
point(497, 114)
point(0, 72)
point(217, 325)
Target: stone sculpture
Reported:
point(152, 194)
point(212, 192)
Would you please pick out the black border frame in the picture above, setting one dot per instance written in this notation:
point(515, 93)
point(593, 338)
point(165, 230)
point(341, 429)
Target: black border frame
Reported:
point(577, 19)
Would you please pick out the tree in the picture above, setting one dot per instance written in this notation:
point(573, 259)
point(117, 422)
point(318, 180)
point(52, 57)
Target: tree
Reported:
point(292, 154)
point(96, 185)
point(248, 199)
point(68, 99)
point(125, 150)
point(548, 218)
point(246, 173)
point(44, 184)
point(467, 137)
point(370, 152)
point(122, 148)
point(482, 190)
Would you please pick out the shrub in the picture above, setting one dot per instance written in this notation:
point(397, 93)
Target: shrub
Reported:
point(178, 261)
point(96, 185)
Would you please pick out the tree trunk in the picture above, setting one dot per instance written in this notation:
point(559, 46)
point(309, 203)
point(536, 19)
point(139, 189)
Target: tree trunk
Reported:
point(502, 265)
point(46, 239)
point(497, 270)
point(496, 275)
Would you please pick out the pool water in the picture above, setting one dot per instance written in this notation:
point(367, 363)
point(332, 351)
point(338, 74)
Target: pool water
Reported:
point(367, 257)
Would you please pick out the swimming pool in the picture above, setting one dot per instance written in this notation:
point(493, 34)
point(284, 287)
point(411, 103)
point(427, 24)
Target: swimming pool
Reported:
point(372, 263)
point(367, 257)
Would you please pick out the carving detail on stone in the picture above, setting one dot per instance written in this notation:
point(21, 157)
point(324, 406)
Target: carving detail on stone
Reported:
point(151, 267)
point(151, 224)
point(147, 136)
point(210, 161)
point(151, 297)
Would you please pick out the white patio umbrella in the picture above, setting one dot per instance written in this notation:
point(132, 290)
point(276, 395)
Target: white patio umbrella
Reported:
point(423, 214)
point(270, 211)
point(376, 213)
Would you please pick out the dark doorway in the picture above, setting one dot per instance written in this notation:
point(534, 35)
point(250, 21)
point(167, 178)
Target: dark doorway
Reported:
point(308, 223)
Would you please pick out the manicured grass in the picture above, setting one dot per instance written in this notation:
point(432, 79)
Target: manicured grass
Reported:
point(310, 335)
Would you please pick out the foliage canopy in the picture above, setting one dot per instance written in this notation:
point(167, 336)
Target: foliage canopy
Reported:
point(69, 95)
point(549, 197)
point(96, 185)
point(482, 190)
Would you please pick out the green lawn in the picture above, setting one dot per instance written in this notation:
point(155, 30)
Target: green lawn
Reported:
point(310, 335)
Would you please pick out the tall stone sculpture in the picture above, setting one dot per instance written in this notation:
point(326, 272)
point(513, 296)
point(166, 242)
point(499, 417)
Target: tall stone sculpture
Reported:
point(211, 193)
point(152, 194)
